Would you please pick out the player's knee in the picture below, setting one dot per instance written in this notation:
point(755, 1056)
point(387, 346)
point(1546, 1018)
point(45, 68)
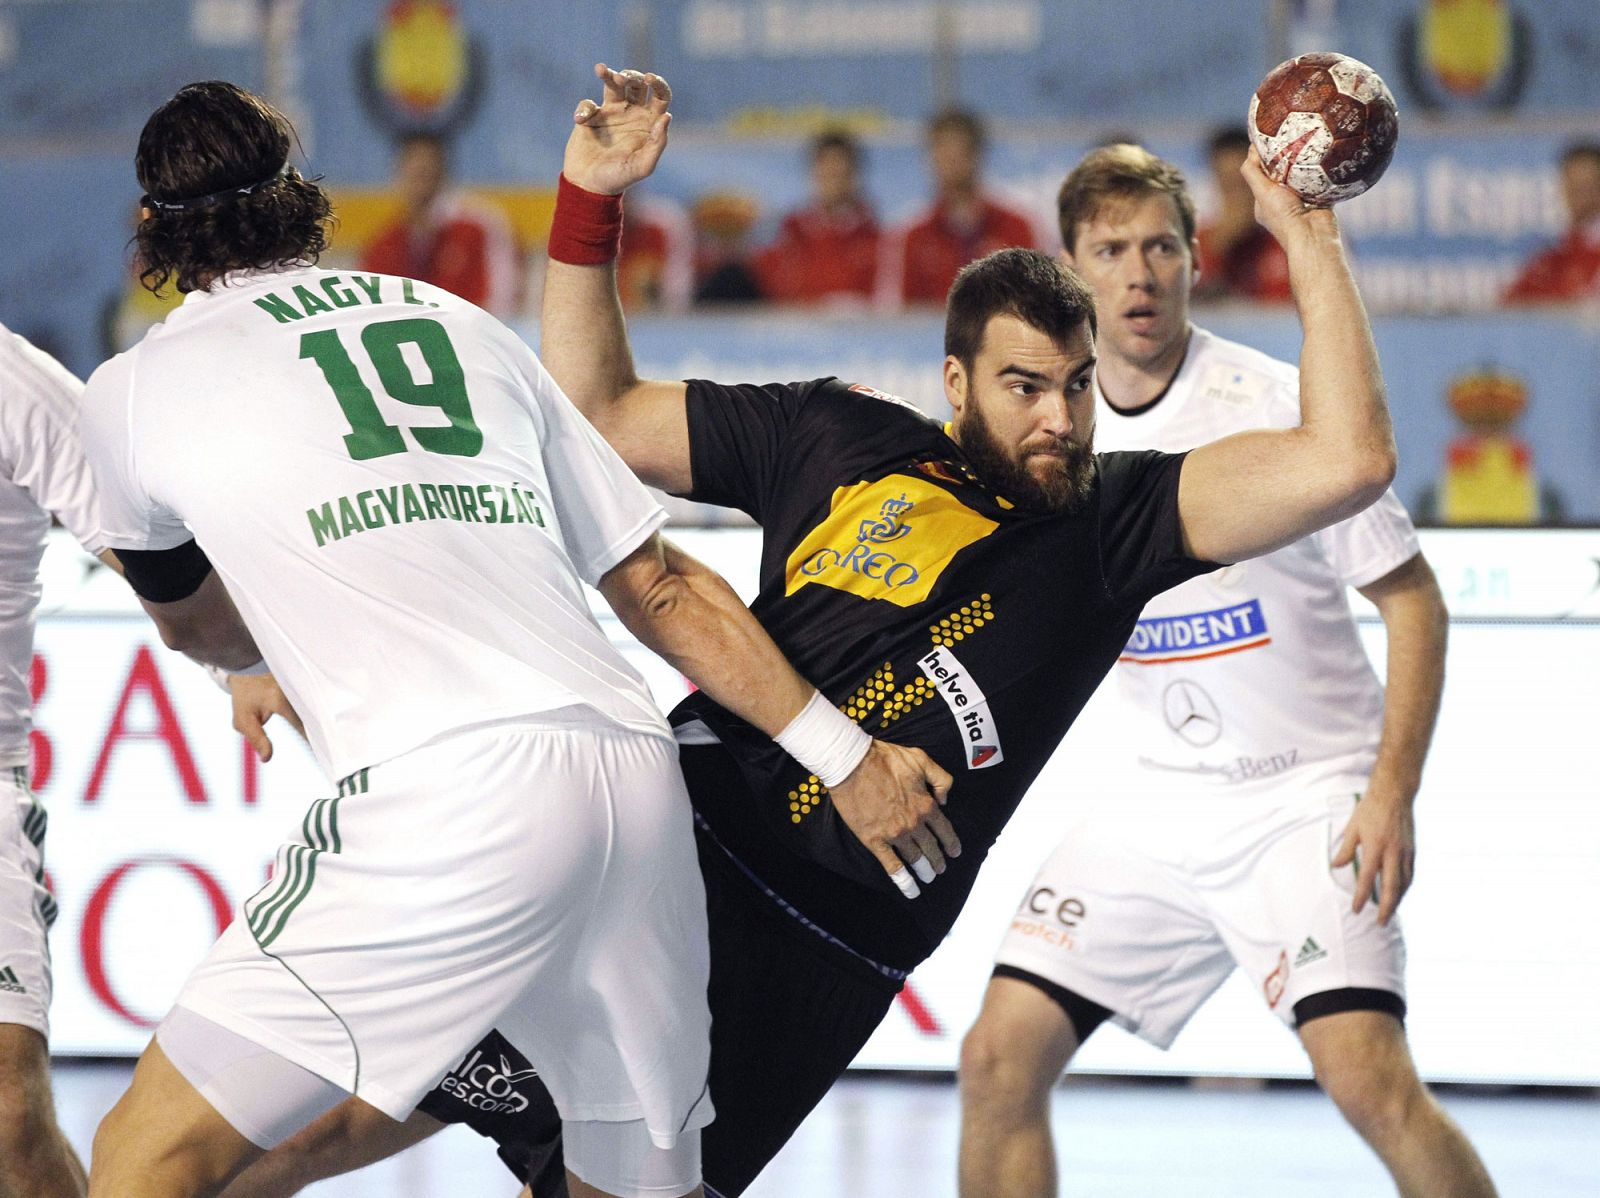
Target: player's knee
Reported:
point(104, 1153)
point(997, 1076)
point(175, 1165)
point(1378, 1101)
point(110, 1138)
point(27, 1125)
point(128, 1151)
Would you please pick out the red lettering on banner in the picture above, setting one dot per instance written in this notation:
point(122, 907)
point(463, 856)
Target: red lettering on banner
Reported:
point(91, 935)
point(250, 783)
point(43, 752)
point(145, 676)
point(918, 1012)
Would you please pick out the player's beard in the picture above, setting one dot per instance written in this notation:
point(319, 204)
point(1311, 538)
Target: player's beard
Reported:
point(1064, 489)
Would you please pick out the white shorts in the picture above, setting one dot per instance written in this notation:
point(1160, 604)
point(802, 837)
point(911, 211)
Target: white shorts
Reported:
point(26, 908)
point(1146, 913)
point(540, 877)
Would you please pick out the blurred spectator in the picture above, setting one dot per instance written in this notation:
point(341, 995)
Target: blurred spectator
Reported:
point(445, 237)
point(1238, 258)
point(963, 223)
point(656, 266)
point(723, 270)
point(1570, 269)
point(829, 248)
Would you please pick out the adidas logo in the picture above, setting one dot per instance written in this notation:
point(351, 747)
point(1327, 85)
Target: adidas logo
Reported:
point(1310, 951)
point(8, 981)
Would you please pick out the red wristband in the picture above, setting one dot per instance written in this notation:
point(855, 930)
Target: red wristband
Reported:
point(587, 227)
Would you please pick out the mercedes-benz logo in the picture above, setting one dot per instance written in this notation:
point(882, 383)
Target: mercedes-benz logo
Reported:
point(1191, 713)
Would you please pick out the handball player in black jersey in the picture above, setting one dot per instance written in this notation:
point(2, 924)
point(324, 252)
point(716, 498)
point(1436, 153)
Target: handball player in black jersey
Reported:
point(962, 588)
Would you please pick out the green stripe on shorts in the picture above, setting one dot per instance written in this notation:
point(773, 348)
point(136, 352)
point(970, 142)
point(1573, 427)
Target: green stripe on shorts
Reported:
point(295, 897)
point(297, 870)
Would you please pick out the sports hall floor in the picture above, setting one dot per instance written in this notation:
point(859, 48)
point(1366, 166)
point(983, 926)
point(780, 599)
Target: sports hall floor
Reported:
point(889, 1137)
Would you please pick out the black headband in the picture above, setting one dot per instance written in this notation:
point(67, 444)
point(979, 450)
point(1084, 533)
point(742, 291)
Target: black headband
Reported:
point(216, 197)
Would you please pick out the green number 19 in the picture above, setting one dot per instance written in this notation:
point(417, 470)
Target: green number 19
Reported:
point(370, 435)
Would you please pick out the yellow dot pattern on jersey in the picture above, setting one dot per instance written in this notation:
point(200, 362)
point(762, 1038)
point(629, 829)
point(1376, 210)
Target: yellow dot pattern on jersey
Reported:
point(902, 702)
point(870, 693)
point(962, 622)
point(878, 690)
point(804, 797)
point(858, 707)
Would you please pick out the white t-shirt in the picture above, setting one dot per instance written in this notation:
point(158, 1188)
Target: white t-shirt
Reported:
point(398, 497)
point(42, 474)
point(1255, 670)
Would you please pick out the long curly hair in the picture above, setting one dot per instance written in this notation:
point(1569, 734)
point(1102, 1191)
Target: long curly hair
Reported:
point(220, 195)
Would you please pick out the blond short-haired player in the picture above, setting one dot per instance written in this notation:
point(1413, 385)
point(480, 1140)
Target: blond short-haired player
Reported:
point(1286, 774)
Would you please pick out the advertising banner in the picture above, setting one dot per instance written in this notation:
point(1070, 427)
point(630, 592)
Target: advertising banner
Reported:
point(161, 823)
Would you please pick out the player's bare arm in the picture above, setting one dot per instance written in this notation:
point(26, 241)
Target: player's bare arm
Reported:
point(583, 338)
point(206, 626)
point(256, 699)
point(1257, 491)
point(1381, 838)
point(584, 345)
point(694, 619)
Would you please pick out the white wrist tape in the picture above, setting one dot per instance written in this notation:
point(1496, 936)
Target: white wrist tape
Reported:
point(825, 740)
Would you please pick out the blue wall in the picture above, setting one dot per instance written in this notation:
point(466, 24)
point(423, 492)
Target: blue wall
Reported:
point(1557, 357)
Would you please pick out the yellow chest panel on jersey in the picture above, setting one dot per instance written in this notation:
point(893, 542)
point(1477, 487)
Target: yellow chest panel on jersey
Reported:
point(887, 539)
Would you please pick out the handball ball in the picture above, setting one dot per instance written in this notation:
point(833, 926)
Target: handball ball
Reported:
point(1324, 124)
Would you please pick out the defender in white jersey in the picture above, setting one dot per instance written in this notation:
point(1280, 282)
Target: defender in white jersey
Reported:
point(1277, 781)
point(402, 506)
point(42, 474)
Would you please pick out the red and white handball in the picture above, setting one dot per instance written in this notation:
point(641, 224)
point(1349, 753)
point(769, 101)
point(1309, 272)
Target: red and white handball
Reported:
point(1324, 124)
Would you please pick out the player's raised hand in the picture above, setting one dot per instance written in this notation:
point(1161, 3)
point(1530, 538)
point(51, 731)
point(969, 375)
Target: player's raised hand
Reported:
point(618, 142)
point(256, 699)
point(891, 803)
point(1279, 208)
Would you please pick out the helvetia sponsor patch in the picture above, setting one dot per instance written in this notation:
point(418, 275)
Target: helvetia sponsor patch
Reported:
point(967, 704)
